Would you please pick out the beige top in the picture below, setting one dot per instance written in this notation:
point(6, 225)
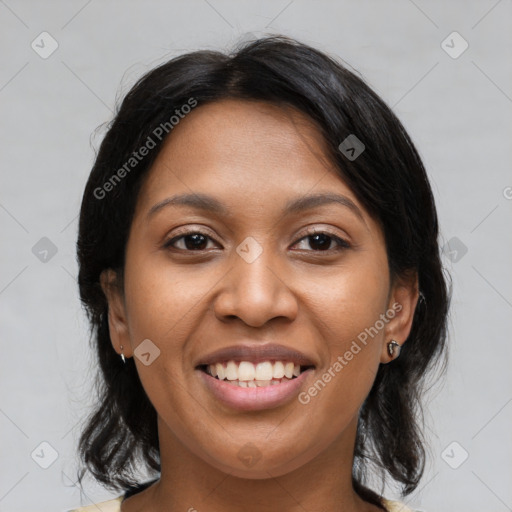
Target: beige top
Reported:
point(115, 506)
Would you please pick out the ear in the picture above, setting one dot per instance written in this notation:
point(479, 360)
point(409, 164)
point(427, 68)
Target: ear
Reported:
point(401, 307)
point(117, 318)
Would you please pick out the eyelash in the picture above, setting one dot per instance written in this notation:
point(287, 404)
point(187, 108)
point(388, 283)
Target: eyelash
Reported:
point(342, 244)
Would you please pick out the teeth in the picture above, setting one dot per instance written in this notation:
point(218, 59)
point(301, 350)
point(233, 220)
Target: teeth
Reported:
point(221, 373)
point(231, 371)
point(278, 370)
point(256, 383)
point(246, 371)
point(264, 371)
point(288, 370)
point(262, 374)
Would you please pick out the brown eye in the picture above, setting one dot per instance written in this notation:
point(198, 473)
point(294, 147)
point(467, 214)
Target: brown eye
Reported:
point(191, 241)
point(322, 241)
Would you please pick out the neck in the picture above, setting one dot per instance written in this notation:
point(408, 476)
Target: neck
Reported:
point(188, 482)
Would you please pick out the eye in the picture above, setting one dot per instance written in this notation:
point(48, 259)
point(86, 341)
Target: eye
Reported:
point(190, 241)
point(321, 241)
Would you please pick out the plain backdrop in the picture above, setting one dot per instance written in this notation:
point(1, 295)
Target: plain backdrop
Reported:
point(456, 103)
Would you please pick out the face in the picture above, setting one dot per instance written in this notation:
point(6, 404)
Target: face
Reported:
point(313, 278)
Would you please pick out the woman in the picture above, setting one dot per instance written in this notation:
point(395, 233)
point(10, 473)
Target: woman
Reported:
point(259, 261)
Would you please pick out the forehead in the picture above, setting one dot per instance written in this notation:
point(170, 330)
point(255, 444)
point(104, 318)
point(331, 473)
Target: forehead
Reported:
point(240, 129)
point(236, 148)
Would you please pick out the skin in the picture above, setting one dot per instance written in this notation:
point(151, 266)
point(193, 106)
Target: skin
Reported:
point(253, 157)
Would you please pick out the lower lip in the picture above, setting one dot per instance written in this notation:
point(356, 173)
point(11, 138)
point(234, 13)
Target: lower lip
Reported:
point(254, 399)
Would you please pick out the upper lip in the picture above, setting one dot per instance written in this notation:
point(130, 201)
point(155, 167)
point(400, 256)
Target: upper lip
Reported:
point(256, 353)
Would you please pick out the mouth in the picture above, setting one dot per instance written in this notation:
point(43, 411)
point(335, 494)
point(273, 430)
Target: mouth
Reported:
point(246, 374)
point(245, 386)
point(252, 376)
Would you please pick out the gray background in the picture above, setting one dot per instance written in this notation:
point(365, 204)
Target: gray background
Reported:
point(457, 110)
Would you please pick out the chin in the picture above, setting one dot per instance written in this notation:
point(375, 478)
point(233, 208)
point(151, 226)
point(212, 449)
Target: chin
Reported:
point(251, 464)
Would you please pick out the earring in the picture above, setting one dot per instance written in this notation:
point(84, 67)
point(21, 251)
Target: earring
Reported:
point(394, 349)
point(122, 355)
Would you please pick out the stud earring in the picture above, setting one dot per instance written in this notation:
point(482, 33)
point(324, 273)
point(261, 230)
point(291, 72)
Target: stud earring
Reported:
point(394, 349)
point(122, 355)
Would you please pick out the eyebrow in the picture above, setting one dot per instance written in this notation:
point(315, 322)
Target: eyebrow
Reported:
point(209, 204)
point(199, 201)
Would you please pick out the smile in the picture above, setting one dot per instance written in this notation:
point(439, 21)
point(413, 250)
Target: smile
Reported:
point(249, 375)
point(254, 386)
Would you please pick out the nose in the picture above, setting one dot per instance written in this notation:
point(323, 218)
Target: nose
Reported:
point(255, 292)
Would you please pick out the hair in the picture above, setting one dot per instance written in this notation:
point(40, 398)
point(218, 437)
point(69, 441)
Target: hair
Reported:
point(389, 180)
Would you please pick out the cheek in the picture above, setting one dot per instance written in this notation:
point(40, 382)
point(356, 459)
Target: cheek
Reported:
point(353, 300)
point(160, 308)
point(160, 299)
point(348, 314)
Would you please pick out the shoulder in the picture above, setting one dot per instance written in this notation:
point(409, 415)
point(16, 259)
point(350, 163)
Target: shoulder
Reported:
point(396, 506)
point(115, 506)
point(105, 506)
